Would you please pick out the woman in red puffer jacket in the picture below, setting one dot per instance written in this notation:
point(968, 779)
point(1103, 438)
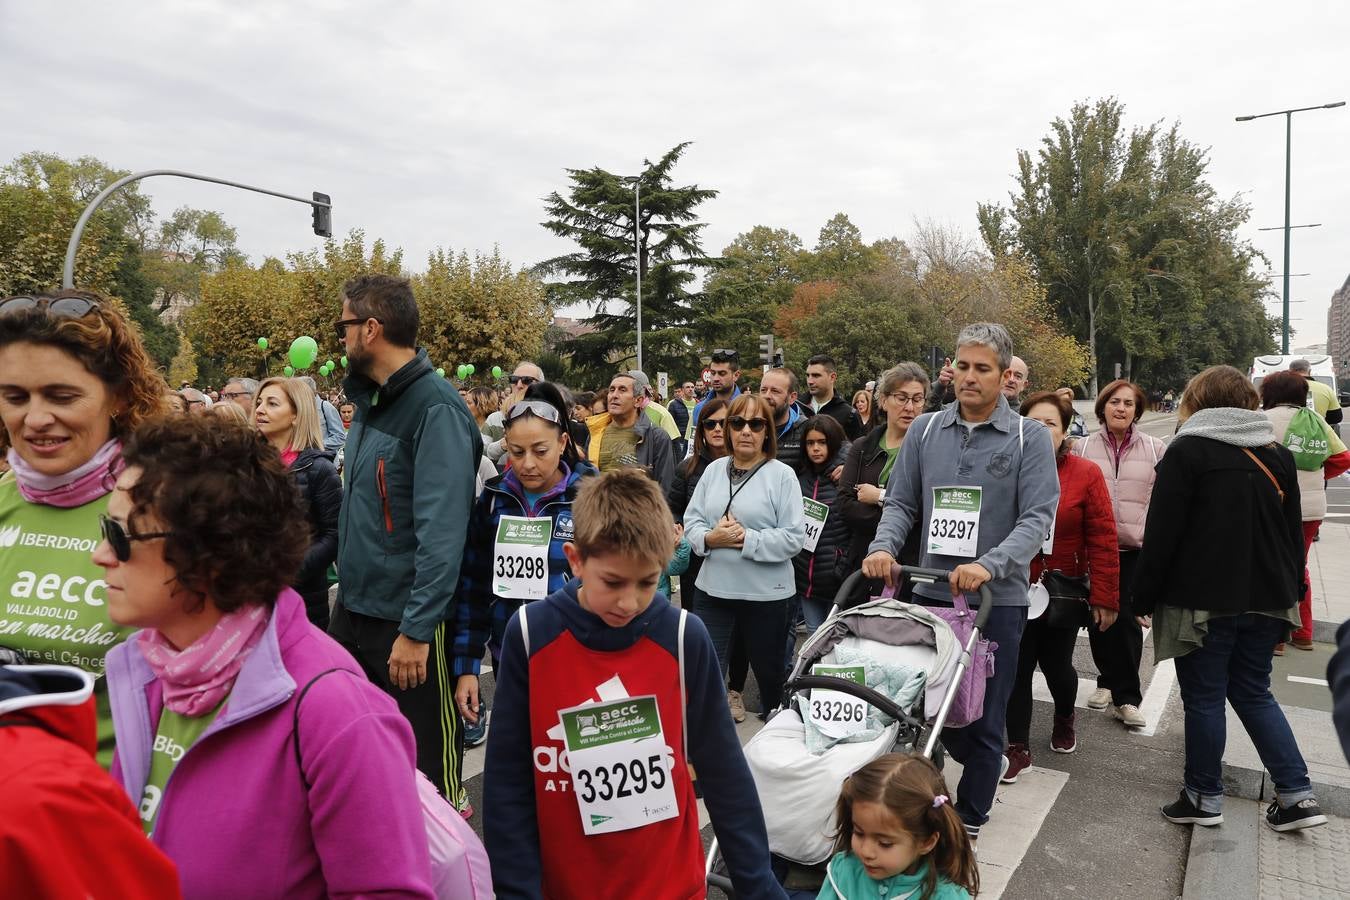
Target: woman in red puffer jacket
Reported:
point(1083, 543)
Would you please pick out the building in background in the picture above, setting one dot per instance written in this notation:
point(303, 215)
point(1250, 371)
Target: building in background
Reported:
point(1338, 332)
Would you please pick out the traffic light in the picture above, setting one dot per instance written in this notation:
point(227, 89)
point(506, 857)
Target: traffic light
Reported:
point(323, 215)
point(766, 349)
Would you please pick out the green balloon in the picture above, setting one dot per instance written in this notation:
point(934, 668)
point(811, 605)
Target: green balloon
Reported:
point(462, 371)
point(496, 371)
point(288, 371)
point(304, 350)
point(262, 343)
point(344, 362)
point(331, 365)
point(440, 371)
point(324, 370)
point(469, 368)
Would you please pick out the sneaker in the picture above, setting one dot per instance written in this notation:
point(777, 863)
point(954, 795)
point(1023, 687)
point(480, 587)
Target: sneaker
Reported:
point(467, 812)
point(737, 706)
point(1303, 814)
point(476, 734)
point(1100, 699)
point(1301, 644)
point(1184, 812)
point(1062, 737)
point(1016, 758)
point(1279, 649)
point(1130, 715)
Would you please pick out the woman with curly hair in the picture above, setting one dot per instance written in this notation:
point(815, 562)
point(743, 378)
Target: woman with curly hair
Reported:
point(258, 753)
point(74, 379)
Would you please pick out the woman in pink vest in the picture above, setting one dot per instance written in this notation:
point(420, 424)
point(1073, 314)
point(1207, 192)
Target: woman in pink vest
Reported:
point(1126, 457)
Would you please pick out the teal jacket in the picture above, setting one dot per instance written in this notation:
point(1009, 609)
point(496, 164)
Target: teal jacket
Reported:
point(846, 879)
point(412, 452)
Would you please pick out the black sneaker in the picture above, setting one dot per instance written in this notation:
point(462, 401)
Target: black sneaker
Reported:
point(475, 734)
point(1184, 812)
point(1303, 814)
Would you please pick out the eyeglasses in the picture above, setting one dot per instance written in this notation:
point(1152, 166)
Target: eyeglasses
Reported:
point(120, 541)
point(341, 325)
point(711, 424)
point(739, 423)
point(61, 307)
point(539, 408)
point(526, 380)
point(233, 395)
point(907, 399)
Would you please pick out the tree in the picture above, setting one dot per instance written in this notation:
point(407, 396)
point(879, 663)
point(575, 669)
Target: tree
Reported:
point(184, 365)
point(1130, 241)
point(480, 311)
point(759, 271)
point(840, 252)
point(598, 215)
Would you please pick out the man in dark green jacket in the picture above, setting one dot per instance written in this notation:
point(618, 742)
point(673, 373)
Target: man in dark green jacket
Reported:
point(412, 451)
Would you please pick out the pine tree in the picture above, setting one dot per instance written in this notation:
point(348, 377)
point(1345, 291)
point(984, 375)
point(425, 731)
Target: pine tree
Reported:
point(598, 214)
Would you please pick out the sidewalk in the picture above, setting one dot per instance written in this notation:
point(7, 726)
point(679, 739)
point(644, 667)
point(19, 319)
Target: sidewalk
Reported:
point(1329, 567)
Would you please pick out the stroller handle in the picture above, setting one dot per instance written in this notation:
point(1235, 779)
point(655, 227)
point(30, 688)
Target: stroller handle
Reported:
point(918, 575)
point(853, 689)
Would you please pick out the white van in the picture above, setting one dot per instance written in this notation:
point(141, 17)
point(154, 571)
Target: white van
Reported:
point(1321, 367)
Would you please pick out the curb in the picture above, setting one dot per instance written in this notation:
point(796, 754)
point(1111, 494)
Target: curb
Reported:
point(1255, 784)
point(1223, 860)
point(1325, 632)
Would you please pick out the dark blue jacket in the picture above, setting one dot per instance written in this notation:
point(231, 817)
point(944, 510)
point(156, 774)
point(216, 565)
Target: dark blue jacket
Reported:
point(819, 573)
point(480, 615)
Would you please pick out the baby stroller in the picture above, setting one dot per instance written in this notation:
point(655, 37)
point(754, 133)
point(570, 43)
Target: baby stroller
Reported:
point(797, 786)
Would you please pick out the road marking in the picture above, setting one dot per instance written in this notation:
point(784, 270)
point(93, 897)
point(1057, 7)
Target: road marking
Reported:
point(1299, 679)
point(1155, 698)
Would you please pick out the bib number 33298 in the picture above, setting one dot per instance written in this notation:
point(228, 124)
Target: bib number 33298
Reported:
point(954, 527)
point(520, 557)
point(620, 773)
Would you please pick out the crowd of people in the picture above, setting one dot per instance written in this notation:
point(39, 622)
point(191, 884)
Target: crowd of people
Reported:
point(200, 715)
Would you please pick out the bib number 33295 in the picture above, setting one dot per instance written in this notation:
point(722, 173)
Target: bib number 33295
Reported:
point(620, 772)
point(954, 527)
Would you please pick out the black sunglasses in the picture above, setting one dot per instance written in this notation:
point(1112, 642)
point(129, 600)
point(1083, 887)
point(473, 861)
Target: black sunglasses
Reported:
point(517, 379)
point(725, 356)
point(61, 307)
point(120, 541)
point(739, 422)
point(341, 325)
point(710, 424)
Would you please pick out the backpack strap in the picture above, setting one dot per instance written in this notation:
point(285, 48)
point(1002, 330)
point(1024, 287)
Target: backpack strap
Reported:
point(525, 628)
point(1021, 441)
point(684, 697)
point(1263, 468)
point(295, 720)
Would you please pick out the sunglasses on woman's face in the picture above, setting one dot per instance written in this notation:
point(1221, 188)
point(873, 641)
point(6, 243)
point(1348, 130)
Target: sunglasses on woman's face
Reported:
point(120, 541)
point(527, 380)
point(711, 424)
point(756, 424)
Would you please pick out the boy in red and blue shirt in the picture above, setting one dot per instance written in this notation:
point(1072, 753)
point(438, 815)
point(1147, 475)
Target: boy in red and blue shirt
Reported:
point(608, 636)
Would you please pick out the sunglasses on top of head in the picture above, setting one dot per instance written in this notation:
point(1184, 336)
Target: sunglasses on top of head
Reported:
point(739, 423)
point(59, 308)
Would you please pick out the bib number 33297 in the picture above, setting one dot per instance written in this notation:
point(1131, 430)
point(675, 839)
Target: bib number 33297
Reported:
point(954, 527)
point(620, 773)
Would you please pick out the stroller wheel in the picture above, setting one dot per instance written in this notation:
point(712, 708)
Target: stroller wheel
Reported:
point(939, 755)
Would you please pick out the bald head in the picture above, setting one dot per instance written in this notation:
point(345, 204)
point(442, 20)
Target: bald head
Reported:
point(1015, 380)
point(522, 376)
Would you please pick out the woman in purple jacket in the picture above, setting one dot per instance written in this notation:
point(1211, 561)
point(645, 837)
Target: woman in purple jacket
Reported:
point(250, 791)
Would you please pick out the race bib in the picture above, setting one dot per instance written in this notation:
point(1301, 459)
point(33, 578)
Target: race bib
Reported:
point(1048, 545)
point(836, 714)
point(954, 528)
point(520, 558)
point(816, 514)
point(618, 758)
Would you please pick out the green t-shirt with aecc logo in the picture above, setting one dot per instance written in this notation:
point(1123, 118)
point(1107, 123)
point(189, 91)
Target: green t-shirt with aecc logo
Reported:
point(173, 738)
point(53, 600)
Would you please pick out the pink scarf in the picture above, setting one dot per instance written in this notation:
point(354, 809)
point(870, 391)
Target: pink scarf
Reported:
point(90, 481)
point(200, 675)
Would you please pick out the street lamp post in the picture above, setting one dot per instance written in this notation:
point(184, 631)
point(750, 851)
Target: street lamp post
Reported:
point(1288, 145)
point(322, 206)
point(637, 261)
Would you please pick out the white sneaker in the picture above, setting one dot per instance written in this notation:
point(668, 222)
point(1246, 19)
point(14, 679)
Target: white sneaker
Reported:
point(1131, 716)
point(737, 706)
point(1100, 699)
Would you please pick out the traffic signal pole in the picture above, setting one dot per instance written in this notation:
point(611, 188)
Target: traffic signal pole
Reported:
point(321, 204)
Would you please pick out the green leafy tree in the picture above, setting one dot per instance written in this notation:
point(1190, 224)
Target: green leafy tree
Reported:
point(760, 270)
point(597, 214)
point(1132, 244)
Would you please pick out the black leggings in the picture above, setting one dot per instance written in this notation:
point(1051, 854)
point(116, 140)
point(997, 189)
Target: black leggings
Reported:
point(1052, 650)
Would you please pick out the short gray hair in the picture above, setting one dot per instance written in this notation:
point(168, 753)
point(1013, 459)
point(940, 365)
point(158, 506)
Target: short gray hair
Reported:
point(1300, 365)
point(991, 335)
point(248, 384)
point(310, 381)
point(901, 373)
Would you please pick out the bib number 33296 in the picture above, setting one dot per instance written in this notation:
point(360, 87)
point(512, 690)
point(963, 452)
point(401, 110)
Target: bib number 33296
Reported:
point(620, 773)
point(954, 527)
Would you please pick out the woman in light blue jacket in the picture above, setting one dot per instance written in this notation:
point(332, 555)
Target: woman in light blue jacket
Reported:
point(745, 519)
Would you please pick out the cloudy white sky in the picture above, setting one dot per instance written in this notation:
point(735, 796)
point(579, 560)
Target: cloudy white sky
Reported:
point(443, 124)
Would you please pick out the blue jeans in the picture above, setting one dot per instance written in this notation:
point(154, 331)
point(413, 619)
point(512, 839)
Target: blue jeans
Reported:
point(979, 746)
point(1234, 664)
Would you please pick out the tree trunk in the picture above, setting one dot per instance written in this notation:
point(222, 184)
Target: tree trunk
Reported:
point(1129, 366)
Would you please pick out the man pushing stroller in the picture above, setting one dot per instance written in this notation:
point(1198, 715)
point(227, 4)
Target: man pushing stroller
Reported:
point(981, 481)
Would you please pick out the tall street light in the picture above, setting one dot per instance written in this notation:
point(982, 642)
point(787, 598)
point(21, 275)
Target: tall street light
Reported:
point(637, 258)
point(1288, 141)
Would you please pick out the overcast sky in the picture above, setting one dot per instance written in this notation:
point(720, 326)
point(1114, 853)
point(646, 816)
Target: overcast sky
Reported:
point(432, 125)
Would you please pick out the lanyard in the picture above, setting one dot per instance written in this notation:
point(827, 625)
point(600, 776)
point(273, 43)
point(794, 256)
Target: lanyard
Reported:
point(731, 495)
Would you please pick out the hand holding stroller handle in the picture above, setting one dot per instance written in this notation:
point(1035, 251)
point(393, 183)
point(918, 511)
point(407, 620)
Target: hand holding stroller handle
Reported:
point(918, 575)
